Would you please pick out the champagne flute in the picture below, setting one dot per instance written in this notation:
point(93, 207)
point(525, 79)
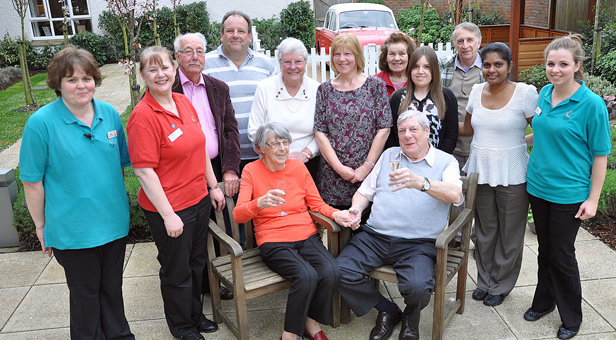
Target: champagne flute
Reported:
point(394, 161)
point(282, 185)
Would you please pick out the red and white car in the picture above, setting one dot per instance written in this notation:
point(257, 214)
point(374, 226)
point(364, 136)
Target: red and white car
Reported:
point(371, 23)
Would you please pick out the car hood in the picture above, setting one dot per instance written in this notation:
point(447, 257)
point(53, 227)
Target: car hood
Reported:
point(371, 35)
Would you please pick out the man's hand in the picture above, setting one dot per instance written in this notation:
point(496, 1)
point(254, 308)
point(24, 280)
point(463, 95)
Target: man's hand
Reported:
point(232, 184)
point(405, 178)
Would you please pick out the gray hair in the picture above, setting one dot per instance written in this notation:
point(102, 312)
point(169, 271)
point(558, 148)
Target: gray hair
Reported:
point(238, 13)
point(469, 26)
point(292, 46)
point(263, 131)
point(178, 47)
point(421, 117)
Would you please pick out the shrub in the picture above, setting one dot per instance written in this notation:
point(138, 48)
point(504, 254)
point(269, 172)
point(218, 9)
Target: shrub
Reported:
point(38, 57)
point(8, 75)
point(380, 2)
point(479, 18)
point(611, 158)
point(138, 227)
point(93, 43)
point(434, 30)
point(535, 76)
point(26, 230)
point(270, 32)
point(607, 204)
point(599, 85)
point(213, 36)
point(606, 66)
point(297, 21)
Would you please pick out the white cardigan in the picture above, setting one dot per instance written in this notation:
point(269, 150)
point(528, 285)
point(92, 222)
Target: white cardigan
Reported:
point(272, 103)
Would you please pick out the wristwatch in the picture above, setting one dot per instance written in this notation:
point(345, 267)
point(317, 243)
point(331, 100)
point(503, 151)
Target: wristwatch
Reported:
point(426, 184)
point(306, 154)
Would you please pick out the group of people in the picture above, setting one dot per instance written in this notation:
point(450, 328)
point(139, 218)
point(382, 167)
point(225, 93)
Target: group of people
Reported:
point(225, 114)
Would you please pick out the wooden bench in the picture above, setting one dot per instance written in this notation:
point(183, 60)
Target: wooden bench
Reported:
point(244, 272)
point(449, 261)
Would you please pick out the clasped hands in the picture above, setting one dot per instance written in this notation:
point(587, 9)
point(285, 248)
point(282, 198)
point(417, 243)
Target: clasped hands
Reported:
point(354, 176)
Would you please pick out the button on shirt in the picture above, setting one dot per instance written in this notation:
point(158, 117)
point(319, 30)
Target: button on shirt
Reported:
point(197, 95)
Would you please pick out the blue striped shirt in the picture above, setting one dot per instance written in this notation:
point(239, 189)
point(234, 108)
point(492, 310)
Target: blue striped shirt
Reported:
point(242, 84)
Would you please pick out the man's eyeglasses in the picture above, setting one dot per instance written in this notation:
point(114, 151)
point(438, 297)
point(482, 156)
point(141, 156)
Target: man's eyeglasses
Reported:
point(190, 52)
point(277, 145)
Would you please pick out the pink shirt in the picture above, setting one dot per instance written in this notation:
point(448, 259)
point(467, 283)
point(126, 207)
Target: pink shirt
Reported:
point(198, 97)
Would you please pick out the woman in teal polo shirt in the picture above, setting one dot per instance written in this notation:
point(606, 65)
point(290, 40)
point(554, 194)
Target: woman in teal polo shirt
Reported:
point(565, 174)
point(72, 154)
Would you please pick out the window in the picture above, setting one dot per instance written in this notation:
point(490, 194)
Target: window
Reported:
point(47, 18)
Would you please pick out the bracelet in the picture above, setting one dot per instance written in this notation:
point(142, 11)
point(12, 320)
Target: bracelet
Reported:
point(373, 165)
point(306, 154)
point(212, 188)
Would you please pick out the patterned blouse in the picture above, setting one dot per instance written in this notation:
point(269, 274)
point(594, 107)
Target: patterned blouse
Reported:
point(350, 119)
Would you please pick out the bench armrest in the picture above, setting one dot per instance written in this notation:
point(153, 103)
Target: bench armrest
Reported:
point(325, 221)
point(448, 234)
point(229, 243)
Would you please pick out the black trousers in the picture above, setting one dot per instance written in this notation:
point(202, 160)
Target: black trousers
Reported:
point(182, 262)
point(558, 274)
point(413, 261)
point(94, 279)
point(314, 276)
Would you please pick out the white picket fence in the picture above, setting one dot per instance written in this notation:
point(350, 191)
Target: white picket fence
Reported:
point(317, 61)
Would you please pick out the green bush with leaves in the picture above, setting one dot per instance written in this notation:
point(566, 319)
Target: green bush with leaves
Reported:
point(607, 202)
point(434, 29)
point(270, 32)
point(95, 44)
point(606, 66)
point(479, 18)
point(297, 21)
point(535, 76)
point(599, 85)
point(38, 57)
point(380, 2)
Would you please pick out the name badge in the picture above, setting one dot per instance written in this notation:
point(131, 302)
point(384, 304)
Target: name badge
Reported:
point(112, 134)
point(175, 134)
point(538, 111)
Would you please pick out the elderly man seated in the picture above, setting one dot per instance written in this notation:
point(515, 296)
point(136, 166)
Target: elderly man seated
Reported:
point(409, 211)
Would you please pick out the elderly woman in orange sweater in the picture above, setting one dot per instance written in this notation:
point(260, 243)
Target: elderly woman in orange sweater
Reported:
point(276, 193)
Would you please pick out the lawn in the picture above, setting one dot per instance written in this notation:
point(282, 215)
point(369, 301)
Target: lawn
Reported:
point(12, 99)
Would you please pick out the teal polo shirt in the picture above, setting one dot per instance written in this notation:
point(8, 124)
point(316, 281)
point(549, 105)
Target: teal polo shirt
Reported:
point(86, 204)
point(565, 140)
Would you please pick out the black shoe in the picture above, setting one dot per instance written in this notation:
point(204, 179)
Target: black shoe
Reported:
point(531, 315)
point(564, 333)
point(192, 336)
point(479, 294)
point(406, 332)
point(207, 326)
point(494, 300)
point(225, 294)
point(385, 324)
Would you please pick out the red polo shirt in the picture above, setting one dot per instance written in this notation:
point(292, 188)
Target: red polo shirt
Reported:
point(173, 146)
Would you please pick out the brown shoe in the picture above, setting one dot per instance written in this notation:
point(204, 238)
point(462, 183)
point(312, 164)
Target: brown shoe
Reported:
point(385, 324)
point(406, 332)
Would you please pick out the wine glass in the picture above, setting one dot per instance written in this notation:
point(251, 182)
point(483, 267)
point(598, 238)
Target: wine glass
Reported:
point(394, 161)
point(282, 185)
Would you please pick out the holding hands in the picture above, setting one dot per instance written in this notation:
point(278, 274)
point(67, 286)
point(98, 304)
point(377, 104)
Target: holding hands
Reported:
point(271, 199)
point(347, 218)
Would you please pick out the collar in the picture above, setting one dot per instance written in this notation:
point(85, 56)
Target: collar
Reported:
point(281, 89)
point(476, 63)
point(69, 118)
point(184, 79)
point(429, 157)
point(221, 54)
point(155, 106)
point(578, 96)
point(429, 96)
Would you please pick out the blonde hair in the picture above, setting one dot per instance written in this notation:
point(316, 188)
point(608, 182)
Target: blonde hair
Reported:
point(153, 55)
point(348, 40)
point(572, 43)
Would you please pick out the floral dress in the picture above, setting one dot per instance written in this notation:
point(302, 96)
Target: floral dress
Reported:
point(350, 119)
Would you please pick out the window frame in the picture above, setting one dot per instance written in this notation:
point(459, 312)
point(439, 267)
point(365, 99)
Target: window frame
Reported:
point(50, 20)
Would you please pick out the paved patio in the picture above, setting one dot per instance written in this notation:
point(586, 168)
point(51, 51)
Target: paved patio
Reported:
point(34, 301)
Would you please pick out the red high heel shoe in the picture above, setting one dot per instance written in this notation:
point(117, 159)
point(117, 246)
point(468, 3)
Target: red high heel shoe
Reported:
point(318, 336)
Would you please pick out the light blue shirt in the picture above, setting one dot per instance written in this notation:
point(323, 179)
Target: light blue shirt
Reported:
point(86, 204)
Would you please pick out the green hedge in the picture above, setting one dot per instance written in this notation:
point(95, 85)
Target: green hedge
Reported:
point(38, 57)
point(297, 21)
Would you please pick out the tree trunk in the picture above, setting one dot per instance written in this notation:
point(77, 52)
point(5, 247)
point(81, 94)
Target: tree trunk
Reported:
point(23, 64)
point(134, 86)
point(596, 39)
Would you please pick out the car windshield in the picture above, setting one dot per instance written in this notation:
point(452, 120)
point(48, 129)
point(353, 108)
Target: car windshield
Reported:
point(354, 19)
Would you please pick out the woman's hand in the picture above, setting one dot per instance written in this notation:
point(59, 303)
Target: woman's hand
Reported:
point(40, 233)
point(218, 199)
point(271, 199)
point(174, 225)
point(362, 172)
point(587, 210)
point(299, 156)
point(345, 172)
point(346, 218)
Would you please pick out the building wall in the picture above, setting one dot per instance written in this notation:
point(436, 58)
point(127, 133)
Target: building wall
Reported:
point(536, 11)
point(9, 20)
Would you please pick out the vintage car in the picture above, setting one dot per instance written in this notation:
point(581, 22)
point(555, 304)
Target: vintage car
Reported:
point(371, 23)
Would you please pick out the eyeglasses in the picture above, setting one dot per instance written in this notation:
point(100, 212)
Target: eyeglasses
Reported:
point(277, 145)
point(190, 52)
point(288, 63)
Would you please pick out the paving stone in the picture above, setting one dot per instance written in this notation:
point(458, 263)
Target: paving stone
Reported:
point(142, 298)
point(10, 298)
point(44, 307)
point(142, 260)
point(21, 269)
point(53, 273)
point(599, 294)
point(46, 334)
